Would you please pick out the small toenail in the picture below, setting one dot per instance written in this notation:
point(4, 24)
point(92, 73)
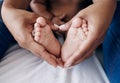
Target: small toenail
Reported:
point(36, 25)
point(42, 21)
point(37, 38)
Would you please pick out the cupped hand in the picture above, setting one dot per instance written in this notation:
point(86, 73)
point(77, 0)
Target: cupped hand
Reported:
point(98, 21)
point(20, 23)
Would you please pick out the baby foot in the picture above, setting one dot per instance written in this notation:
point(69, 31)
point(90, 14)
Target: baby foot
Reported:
point(77, 33)
point(44, 36)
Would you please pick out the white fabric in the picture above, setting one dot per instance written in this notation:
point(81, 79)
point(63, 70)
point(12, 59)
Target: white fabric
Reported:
point(21, 66)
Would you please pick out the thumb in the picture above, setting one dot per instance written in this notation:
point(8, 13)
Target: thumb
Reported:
point(32, 18)
point(65, 27)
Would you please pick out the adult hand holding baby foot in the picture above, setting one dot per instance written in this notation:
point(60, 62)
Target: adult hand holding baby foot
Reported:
point(98, 21)
point(45, 37)
point(76, 35)
point(21, 27)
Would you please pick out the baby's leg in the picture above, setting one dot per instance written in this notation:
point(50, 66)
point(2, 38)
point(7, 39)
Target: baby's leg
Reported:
point(77, 33)
point(44, 36)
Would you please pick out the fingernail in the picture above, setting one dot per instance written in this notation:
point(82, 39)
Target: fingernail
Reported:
point(67, 65)
point(55, 65)
point(56, 25)
point(62, 26)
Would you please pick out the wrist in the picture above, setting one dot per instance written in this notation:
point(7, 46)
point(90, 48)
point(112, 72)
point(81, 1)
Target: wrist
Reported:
point(106, 3)
point(6, 11)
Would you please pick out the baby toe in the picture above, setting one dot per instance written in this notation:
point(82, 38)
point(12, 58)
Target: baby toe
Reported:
point(41, 21)
point(37, 29)
point(36, 25)
point(84, 24)
point(37, 38)
point(77, 23)
point(85, 29)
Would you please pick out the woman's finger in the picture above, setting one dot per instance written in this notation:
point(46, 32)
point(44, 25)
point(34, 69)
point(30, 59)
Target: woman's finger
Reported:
point(65, 27)
point(83, 58)
point(83, 49)
point(40, 51)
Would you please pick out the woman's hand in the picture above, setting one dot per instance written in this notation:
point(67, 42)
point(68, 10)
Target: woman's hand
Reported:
point(98, 17)
point(20, 24)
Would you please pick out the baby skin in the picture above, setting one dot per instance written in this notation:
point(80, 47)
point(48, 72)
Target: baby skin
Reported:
point(44, 36)
point(77, 33)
